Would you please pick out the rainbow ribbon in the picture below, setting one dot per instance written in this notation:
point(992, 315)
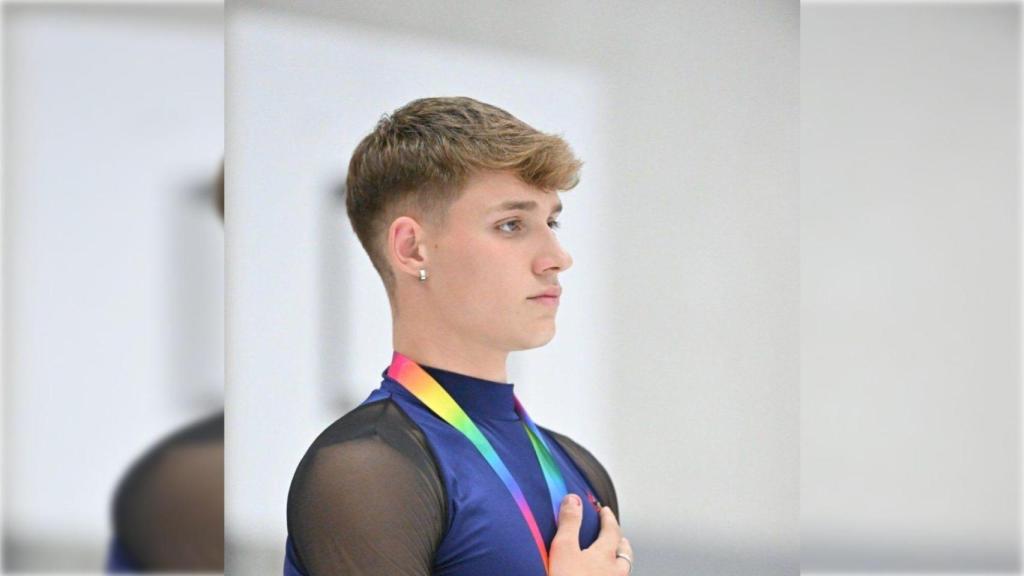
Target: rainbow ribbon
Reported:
point(427, 390)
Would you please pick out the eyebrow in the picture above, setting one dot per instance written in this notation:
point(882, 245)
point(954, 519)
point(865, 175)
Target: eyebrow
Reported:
point(527, 205)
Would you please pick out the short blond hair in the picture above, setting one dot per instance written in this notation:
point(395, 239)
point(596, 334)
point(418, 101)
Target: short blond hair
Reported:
point(420, 157)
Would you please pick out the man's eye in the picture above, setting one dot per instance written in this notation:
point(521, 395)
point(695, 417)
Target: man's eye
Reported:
point(554, 224)
point(510, 226)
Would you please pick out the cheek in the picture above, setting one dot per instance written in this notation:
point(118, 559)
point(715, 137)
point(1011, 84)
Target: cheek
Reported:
point(482, 276)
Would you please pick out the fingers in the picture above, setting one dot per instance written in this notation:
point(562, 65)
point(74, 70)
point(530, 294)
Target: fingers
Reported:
point(610, 534)
point(570, 518)
point(626, 549)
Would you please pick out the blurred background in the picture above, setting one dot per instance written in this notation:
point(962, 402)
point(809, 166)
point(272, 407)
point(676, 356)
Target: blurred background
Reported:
point(113, 262)
point(910, 261)
point(826, 379)
point(679, 322)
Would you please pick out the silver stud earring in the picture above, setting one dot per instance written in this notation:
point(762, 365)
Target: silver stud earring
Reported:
point(423, 275)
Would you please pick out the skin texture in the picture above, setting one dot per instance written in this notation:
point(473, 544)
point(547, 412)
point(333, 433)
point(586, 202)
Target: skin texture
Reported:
point(566, 558)
point(483, 266)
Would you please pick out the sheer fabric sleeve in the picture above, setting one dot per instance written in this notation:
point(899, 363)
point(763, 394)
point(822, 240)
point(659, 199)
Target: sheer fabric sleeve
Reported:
point(367, 498)
point(594, 472)
point(169, 507)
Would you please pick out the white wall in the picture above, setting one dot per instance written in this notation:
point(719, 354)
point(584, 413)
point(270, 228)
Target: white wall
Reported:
point(910, 310)
point(113, 258)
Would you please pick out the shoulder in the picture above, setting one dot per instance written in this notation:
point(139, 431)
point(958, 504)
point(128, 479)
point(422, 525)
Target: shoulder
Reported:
point(372, 435)
point(198, 442)
point(185, 472)
point(368, 477)
point(590, 467)
point(382, 418)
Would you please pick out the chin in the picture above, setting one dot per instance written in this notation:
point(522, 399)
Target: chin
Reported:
point(537, 339)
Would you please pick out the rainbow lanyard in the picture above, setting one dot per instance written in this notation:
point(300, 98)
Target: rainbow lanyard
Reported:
point(423, 386)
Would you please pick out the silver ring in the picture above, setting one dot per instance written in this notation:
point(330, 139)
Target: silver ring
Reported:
point(627, 559)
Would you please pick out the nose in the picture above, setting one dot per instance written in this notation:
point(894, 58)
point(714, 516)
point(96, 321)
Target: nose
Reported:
point(552, 258)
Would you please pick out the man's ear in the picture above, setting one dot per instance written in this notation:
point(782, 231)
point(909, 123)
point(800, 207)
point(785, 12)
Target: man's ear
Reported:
point(407, 246)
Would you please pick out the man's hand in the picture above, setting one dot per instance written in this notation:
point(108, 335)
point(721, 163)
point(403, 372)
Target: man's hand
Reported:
point(567, 559)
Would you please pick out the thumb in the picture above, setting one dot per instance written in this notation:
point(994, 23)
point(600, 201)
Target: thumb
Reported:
point(570, 518)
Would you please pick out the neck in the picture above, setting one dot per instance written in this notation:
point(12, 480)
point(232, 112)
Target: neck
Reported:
point(438, 349)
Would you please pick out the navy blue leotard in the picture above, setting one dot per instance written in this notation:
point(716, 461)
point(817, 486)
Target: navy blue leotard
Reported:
point(391, 489)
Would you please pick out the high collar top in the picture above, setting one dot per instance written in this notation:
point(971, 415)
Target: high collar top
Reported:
point(478, 397)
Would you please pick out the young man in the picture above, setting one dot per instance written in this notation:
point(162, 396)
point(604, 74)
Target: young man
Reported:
point(441, 471)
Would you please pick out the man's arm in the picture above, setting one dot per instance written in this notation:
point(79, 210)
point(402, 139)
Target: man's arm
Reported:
point(367, 498)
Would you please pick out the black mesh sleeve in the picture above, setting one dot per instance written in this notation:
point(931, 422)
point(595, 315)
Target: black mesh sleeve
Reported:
point(367, 498)
point(594, 472)
point(169, 507)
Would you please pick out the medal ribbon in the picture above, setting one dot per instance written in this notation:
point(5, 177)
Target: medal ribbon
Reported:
point(427, 390)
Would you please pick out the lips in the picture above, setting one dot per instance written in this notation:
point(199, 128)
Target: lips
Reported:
point(547, 300)
point(548, 297)
point(553, 292)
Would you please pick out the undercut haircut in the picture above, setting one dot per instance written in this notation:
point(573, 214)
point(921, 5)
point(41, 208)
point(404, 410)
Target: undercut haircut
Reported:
point(418, 160)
